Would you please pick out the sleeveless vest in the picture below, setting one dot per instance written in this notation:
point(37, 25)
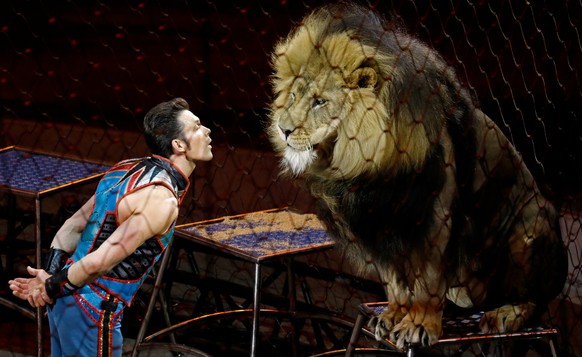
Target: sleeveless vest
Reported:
point(126, 177)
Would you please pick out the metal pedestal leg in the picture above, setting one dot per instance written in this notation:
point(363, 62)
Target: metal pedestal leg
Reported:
point(38, 262)
point(150, 307)
point(256, 309)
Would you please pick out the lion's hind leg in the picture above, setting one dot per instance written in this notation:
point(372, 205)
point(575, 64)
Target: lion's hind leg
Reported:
point(507, 318)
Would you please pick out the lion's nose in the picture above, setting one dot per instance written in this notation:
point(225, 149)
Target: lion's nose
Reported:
point(286, 132)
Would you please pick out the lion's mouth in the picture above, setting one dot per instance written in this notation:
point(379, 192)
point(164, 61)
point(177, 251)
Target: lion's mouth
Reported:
point(299, 147)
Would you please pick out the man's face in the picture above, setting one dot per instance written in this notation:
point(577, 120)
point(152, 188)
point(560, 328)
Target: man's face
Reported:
point(196, 136)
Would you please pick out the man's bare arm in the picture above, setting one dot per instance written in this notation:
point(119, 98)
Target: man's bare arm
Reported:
point(143, 214)
point(68, 235)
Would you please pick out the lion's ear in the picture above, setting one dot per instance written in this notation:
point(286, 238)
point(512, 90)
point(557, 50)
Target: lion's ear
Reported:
point(365, 77)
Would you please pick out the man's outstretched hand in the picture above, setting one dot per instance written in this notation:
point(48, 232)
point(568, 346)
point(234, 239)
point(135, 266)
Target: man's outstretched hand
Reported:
point(32, 289)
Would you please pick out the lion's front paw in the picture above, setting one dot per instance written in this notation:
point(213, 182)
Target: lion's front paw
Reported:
point(383, 323)
point(508, 318)
point(424, 333)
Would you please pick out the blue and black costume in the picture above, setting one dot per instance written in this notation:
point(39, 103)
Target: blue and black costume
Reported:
point(86, 321)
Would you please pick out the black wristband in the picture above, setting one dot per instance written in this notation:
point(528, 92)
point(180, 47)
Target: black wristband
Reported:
point(55, 260)
point(59, 284)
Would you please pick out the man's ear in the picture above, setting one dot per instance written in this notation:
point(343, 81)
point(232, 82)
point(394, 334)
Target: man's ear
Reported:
point(178, 146)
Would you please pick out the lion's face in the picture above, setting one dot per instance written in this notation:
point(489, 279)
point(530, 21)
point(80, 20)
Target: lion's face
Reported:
point(327, 118)
point(351, 101)
point(306, 117)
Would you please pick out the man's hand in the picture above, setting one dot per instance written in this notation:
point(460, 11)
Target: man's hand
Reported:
point(32, 289)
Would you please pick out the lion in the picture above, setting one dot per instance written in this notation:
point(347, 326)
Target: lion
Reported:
point(410, 175)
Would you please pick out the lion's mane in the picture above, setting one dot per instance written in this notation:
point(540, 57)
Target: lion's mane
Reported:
point(397, 97)
point(380, 73)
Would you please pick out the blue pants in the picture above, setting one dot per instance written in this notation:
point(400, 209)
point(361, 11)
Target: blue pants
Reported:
point(83, 326)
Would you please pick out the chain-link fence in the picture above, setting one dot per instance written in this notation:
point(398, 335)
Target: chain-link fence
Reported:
point(77, 77)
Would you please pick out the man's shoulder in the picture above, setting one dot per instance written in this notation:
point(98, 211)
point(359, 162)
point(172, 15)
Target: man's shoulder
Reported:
point(136, 174)
point(130, 162)
point(125, 165)
point(157, 190)
point(157, 197)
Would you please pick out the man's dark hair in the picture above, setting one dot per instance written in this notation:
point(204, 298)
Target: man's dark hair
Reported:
point(161, 126)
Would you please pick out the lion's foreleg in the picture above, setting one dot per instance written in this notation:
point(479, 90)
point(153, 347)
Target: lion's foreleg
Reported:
point(423, 322)
point(414, 314)
point(399, 297)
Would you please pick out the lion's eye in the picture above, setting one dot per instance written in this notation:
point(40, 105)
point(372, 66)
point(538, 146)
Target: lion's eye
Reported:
point(318, 102)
